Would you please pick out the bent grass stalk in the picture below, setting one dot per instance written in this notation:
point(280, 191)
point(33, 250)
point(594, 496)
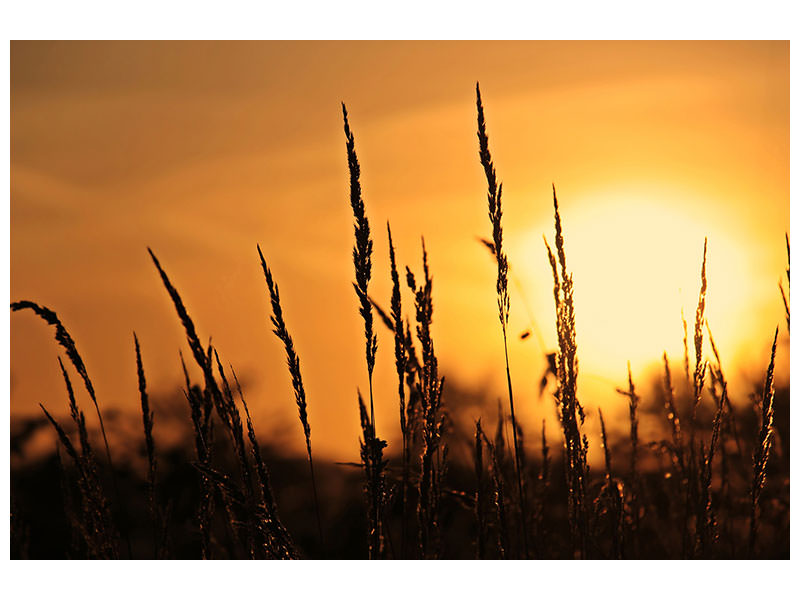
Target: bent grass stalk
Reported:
point(198, 352)
point(228, 413)
point(293, 362)
point(65, 340)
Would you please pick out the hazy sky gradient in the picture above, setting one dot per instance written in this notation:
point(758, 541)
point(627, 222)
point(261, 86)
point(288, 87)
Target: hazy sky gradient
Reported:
point(201, 150)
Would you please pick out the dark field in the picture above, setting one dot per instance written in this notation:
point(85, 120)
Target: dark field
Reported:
point(42, 529)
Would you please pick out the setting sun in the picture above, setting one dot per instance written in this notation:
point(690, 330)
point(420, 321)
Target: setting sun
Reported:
point(636, 261)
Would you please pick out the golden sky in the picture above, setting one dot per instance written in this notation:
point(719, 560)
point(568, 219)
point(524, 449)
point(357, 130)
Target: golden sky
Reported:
point(200, 150)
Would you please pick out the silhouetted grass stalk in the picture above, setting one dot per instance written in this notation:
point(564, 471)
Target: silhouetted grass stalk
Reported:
point(203, 427)
point(374, 465)
point(94, 525)
point(293, 362)
point(569, 408)
point(480, 521)
point(673, 419)
point(700, 364)
point(396, 322)
point(762, 447)
point(633, 405)
point(275, 531)
point(233, 421)
point(362, 255)
point(698, 379)
point(727, 429)
point(432, 422)
point(258, 529)
point(611, 492)
point(705, 517)
point(494, 198)
point(147, 422)
point(65, 340)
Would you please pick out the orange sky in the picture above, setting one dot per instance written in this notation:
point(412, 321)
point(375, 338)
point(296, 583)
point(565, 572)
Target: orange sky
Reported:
point(201, 150)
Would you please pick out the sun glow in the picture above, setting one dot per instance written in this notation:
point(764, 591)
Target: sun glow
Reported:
point(636, 262)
